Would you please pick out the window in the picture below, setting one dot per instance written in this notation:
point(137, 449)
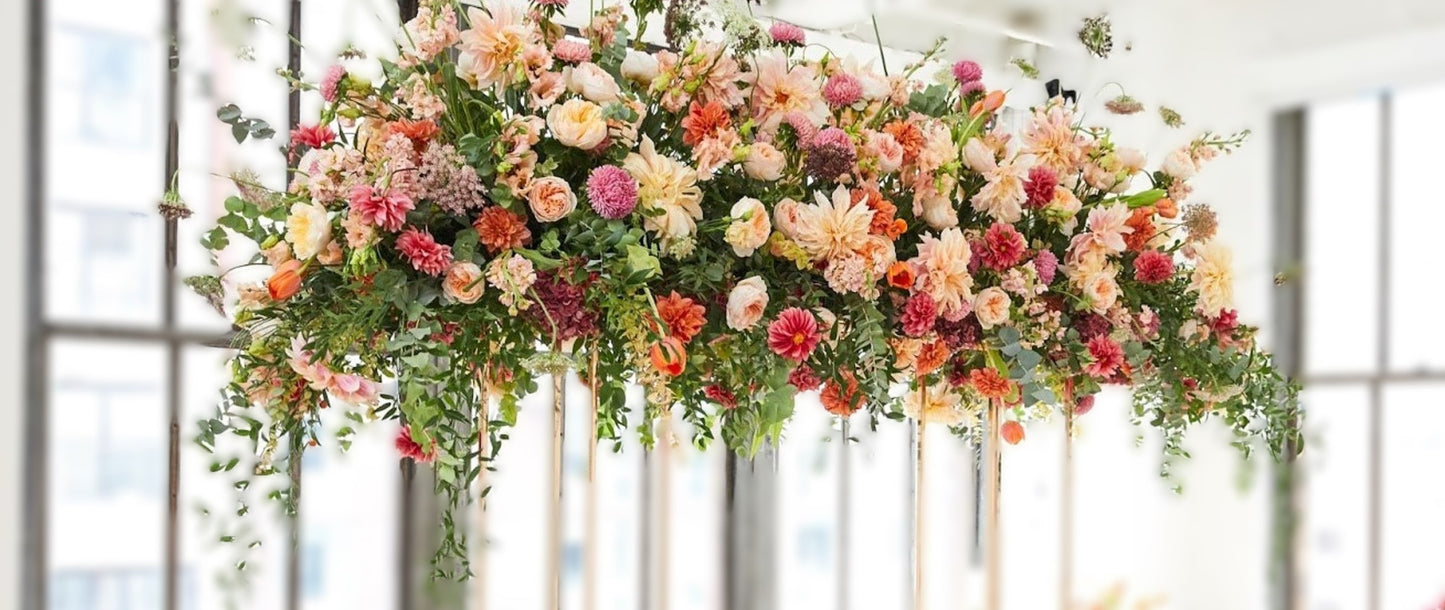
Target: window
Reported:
point(112, 77)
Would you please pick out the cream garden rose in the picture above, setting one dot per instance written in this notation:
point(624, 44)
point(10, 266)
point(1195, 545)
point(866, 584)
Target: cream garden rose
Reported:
point(308, 229)
point(464, 283)
point(764, 162)
point(590, 81)
point(992, 306)
point(639, 67)
point(746, 303)
point(785, 216)
point(551, 199)
point(750, 226)
point(1101, 290)
point(578, 123)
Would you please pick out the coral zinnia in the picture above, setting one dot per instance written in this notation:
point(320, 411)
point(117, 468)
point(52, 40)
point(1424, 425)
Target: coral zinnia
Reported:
point(989, 383)
point(794, 334)
point(423, 252)
point(500, 229)
point(931, 357)
point(1107, 357)
point(683, 317)
point(841, 399)
point(1153, 267)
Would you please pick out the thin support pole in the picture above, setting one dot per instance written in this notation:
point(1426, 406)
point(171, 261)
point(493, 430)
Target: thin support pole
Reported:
point(845, 515)
point(405, 557)
point(665, 458)
point(589, 557)
point(484, 462)
point(554, 534)
point(1066, 515)
point(992, 541)
point(919, 498)
point(171, 578)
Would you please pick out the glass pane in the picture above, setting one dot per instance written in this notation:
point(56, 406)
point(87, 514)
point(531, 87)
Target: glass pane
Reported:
point(1342, 183)
point(619, 529)
point(1334, 536)
point(1415, 333)
point(1030, 517)
point(698, 482)
point(103, 256)
point(107, 466)
point(808, 509)
point(208, 506)
point(880, 528)
point(950, 505)
point(1412, 573)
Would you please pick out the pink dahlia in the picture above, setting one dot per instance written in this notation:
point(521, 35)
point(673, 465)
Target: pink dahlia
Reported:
point(1153, 267)
point(830, 154)
point(383, 209)
point(1003, 247)
point(572, 51)
point(804, 378)
point(312, 136)
point(1046, 265)
point(966, 71)
point(423, 251)
point(1040, 186)
point(842, 89)
point(721, 396)
point(802, 126)
point(794, 334)
point(1226, 323)
point(612, 192)
point(409, 448)
point(971, 88)
point(331, 84)
point(920, 313)
point(1107, 356)
point(787, 34)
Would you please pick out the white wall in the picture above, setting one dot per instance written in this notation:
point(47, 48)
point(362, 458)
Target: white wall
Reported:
point(13, 158)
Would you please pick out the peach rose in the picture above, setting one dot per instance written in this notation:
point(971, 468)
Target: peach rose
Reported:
point(886, 149)
point(746, 303)
point(331, 255)
point(551, 199)
point(578, 124)
point(545, 90)
point(277, 254)
point(750, 226)
point(1101, 290)
point(592, 82)
point(463, 282)
point(991, 306)
point(785, 217)
point(640, 67)
point(764, 162)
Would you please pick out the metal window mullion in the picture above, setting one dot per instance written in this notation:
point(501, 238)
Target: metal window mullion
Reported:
point(1382, 355)
point(171, 578)
point(293, 118)
point(1289, 323)
point(37, 434)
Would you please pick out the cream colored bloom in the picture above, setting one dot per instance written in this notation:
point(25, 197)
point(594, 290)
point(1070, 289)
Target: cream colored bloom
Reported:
point(1003, 196)
point(493, 45)
point(1179, 165)
point(785, 216)
point(1213, 277)
point(1101, 290)
point(750, 226)
point(551, 199)
point(992, 307)
point(935, 205)
point(639, 67)
point(464, 282)
point(667, 185)
point(746, 303)
point(592, 82)
point(764, 162)
point(943, 264)
point(940, 404)
point(578, 123)
point(780, 87)
point(833, 227)
point(308, 228)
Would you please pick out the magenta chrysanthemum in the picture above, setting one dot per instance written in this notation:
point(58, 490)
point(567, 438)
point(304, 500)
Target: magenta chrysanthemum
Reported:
point(423, 252)
point(1046, 264)
point(830, 154)
point(794, 334)
point(612, 192)
point(920, 314)
point(1106, 357)
point(572, 51)
point(1153, 267)
point(966, 71)
point(1003, 247)
point(842, 89)
point(331, 84)
point(1040, 186)
point(383, 209)
point(788, 34)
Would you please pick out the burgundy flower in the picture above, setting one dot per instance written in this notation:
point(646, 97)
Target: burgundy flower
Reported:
point(409, 448)
point(830, 154)
point(563, 304)
point(1091, 325)
point(1153, 267)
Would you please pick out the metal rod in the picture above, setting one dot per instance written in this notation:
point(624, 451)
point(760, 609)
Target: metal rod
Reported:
point(993, 581)
point(407, 543)
point(293, 118)
point(1066, 515)
point(845, 514)
point(664, 514)
point(171, 579)
point(1382, 356)
point(919, 499)
point(484, 461)
point(293, 568)
point(589, 557)
point(554, 534)
point(36, 473)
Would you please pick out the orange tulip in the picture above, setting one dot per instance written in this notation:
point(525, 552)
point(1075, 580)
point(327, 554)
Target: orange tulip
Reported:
point(286, 282)
point(1012, 432)
point(669, 356)
point(1166, 208)
point(900, 275)
point(991, 102)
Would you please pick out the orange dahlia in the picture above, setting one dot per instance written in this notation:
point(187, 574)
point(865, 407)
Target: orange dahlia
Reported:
point(989, 383)
point(683, 317)
point(704, 121)
point(841, 400)
point(908, 135)
point(931, 357)
point(500, 229)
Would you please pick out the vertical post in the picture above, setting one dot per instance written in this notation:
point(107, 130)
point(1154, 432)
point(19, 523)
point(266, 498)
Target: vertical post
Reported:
point(406, 551)
point(1288, 345)
point(589, 542)
point(35, 533)
point(171, 580)
point(1382, 356)
point(293, 118)
point(1066, 514)
point(484, 462)
point(644, 539)
point(919, 501)
point(665, 457)
point(992, 472)
point(752, 531)
point(554, 535)
point(845, 514)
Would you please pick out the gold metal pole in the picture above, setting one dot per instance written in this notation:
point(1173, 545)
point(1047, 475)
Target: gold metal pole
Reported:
point(992, 541)
point(554, 548)
point(484, 452)
point(920, 426)
point(665, 457)
point(1066, 516)
point(589, 543)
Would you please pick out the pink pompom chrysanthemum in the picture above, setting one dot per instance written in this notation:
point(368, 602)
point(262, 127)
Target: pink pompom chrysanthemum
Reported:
point(612, 192)
point(794, 334)
point(1046, 264)
point(1003, 247)
point(787, 34)
point(423, 252)
point(572, 51)
point(331, 84)
point(842, 89)
point(1153, 267)
point(383, 209)
point(1106, 357)
point(966, 71)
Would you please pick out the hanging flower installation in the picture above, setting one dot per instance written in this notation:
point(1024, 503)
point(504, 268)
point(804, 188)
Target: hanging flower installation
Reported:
point(726, 224)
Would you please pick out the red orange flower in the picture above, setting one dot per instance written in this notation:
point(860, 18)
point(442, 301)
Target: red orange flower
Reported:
point(499, 229)
point(704, 121)
point(794, 334)
point(683, 317)
point(909, 136)
point(989, 383)
point(669, 356)
point(931, 356)
point(1142, 221)
point(841, 400)
point(900, 275)
point(286, 282)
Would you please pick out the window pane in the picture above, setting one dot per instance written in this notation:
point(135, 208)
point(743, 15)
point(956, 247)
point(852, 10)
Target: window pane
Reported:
point(107, 464)
point(1342, 184)
point(880, 529)
point(808, 509)
point(950, 501)
point(698, 482)
point(1334, 535)
point(1030, 517)
point(619, 525)
point(1415, 332)
point(1412, 573)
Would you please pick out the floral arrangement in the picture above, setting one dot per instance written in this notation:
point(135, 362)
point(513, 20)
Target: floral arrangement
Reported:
point(728, 222)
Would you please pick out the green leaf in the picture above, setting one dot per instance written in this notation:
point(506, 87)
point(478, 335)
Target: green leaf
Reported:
point(1028, 359)
point(641, 262)
point(239, 132)
point(465, 245)
point(228, 113)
